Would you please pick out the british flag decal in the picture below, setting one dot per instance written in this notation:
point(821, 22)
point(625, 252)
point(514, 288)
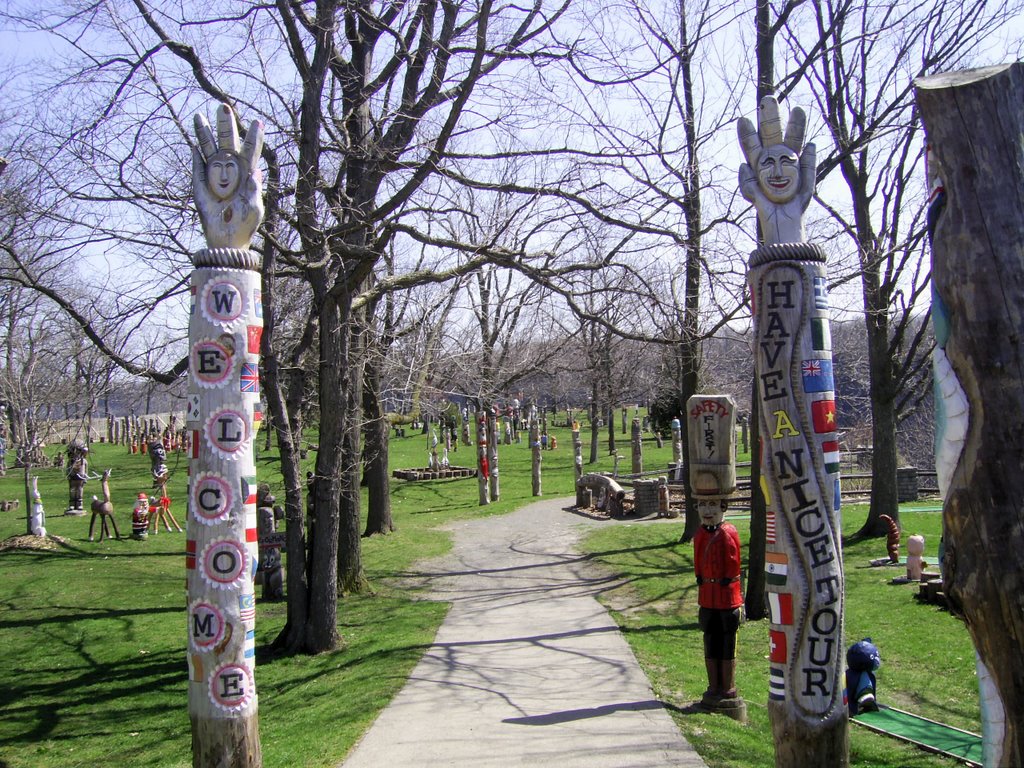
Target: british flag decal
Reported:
point(250, 379)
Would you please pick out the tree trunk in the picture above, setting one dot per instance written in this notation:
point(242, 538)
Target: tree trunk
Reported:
point(351, 578)
point(978, 253)
point(687, 388)
point(884, 496)
point(754, 600)
point(595, 430)
point(611, 429)
point(377, 434)
point(535, 449)
point(322, 630)
point(287, 420)
point(638, 449)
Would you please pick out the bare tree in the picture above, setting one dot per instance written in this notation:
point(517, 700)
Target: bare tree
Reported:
point(863, 88)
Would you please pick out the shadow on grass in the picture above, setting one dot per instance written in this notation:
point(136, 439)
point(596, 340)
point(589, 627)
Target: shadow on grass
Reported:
point(76, 613)
point(66, 692)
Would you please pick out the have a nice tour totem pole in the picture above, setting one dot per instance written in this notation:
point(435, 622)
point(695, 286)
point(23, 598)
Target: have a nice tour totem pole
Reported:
point(223, 415)
point(799, 447)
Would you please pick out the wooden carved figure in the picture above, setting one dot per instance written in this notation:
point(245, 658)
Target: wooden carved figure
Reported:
point(37, 517)
point(677, 448)
point(492, 453)
point(140, 518)
point(77, 473)
point(915, 563)
point(716, 560)
point(799, 448)
point(483, 471)
point(271, 572)
point(161, 513)
point(223, 416)
point(104, 509)
point(716, 546)
point(892, 538)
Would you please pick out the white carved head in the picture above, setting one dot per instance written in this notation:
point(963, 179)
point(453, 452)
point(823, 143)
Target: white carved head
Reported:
point(711, 511)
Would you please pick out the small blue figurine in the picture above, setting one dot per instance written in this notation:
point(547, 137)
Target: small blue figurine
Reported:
point(862, 659)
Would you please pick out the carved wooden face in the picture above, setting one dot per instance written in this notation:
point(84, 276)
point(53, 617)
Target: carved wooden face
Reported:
point(223, 172)
point(711, 511)
point(778, 173)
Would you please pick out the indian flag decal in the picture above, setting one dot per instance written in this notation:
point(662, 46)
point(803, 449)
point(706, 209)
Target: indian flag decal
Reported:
point(776, 568)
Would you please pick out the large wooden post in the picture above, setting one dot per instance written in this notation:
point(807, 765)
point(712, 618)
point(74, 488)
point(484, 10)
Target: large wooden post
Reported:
point(483, 471)
point(577, 449)
point(800, 465)
point(975, 121)
point(492, 451)
point(221, 551)
point(536, 452)
point(636, 439)
point(677, 448)
point(221, 547)
point(799, 447)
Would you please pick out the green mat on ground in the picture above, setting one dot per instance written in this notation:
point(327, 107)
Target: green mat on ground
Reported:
point(925, 733)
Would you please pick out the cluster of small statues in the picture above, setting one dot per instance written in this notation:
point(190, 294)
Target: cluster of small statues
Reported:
point(148, 513)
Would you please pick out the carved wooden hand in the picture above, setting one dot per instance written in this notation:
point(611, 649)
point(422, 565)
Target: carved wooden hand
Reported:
point(226, 181)
point(779, 175)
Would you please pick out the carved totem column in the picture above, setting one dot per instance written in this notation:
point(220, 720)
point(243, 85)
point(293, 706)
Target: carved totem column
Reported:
point(483, 467)
point(975, 120)
point(222, 555)
point(799, 448)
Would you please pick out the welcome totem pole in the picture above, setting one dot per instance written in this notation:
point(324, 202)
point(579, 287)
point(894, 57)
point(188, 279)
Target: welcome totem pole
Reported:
point(223, 415)
point(799, 447)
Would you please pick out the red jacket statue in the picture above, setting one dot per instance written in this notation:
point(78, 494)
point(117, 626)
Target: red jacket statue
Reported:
point(716, 555)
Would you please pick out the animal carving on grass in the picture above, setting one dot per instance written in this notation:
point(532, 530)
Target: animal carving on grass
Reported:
point(105, 510)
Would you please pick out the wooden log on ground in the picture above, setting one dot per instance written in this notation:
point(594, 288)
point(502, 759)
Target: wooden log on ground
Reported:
point(605, 486)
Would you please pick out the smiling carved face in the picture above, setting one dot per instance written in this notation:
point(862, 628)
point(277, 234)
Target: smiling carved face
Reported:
point(710, 511)
point(223, 171)
point(778, 173)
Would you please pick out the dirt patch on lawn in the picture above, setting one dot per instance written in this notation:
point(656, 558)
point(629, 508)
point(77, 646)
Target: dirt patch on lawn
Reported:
point(34, 543)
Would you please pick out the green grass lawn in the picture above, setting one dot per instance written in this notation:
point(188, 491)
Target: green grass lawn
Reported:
point(927, 656)
point(95, 634)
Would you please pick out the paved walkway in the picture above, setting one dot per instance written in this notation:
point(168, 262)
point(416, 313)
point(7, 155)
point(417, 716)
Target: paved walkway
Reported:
point(527, 669)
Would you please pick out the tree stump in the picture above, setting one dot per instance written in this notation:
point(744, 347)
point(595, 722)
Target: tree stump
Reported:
point(975, 120)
